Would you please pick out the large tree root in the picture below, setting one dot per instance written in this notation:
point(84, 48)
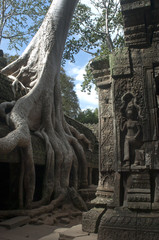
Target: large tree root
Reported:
point(34, 212)
point(40, 111)
point(71, 194)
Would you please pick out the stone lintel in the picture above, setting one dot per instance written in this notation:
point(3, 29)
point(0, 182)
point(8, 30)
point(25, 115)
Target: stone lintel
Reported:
point(104, 84)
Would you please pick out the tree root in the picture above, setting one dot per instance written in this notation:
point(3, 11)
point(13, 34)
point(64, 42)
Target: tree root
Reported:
point(71, 193)
point(40, 111)
point(34, 212)
point(77, 200)
point(81, 137)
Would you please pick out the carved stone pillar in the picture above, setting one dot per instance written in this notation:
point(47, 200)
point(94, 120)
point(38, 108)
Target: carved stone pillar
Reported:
point(135, 88)
point(107, 175)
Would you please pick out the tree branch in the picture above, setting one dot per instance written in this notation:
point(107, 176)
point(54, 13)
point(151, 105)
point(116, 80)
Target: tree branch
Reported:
point(93, 54)
point(17, 35)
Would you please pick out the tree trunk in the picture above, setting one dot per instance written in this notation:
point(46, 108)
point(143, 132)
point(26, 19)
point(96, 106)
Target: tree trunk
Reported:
point(38, 68)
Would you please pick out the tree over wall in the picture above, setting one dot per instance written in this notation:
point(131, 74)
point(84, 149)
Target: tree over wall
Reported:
point(107, 32)
point(40, 111)
point(89, 31)
point(96, 33)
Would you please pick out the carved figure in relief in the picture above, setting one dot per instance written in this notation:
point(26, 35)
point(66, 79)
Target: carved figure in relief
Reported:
point(130, 125)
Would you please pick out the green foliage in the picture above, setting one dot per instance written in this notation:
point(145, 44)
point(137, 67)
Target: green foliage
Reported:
point(111, 21)
point(88, 80)
point(88, 116)
point(10, 58)
point(89, 31)
point(94, 33)
point(80, 34)
point(69, 98)
point(88, 77)
point(20, 20)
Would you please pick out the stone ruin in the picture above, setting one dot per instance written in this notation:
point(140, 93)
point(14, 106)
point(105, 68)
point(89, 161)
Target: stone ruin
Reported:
point(127, 198)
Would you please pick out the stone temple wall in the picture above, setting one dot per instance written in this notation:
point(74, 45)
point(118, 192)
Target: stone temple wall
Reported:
point(127, 199)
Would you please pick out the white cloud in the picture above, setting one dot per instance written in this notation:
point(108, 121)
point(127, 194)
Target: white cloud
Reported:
point(77, 72)
point(86, 101)
point(89, 4)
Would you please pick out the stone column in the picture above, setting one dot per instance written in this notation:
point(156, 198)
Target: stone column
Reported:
point(107, 176)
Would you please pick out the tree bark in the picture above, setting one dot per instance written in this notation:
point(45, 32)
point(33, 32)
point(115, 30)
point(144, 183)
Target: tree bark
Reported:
point(40, 110)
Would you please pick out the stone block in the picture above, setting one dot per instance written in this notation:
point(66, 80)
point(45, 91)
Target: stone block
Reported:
point(91, 219)
point(55, 235)
point(52, 236)
point(60, 230)
point(15, 222)
point(65, 220)
point(135, 5)
point(89, 237)
point(73, 232)
point(122, 224)
point(115, 225)
point(120, 63)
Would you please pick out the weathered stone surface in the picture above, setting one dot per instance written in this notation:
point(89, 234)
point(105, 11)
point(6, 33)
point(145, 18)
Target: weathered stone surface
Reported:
point(60, 230)
point(101, 72)
point(129, 129)
point(134, 4)
point(15, 222)
point(138, 22)
point(3, 61)
point(120, 63)
point(138, 191)
point(90, 237)
point(52, 236)
point(123, 224)
point(73, 232)
point(91, 219)
point(31, 232)
point(88, 194)
point(65, 220)
point(105, 188)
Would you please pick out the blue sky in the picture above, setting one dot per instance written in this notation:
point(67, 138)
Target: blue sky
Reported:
point(75, 70)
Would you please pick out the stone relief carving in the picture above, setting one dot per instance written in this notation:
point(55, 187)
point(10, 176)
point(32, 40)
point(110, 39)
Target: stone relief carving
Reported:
point(131, 130)
point(107, 143)
point(106, 186)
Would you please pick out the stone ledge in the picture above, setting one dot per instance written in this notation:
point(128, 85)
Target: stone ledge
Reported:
point(15, 222)
point(90, 237)
point(73, 232)
point(136, 5)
